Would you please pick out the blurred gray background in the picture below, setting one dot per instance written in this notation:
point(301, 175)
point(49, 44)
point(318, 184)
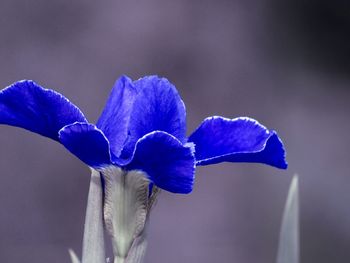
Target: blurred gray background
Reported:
point(285, 63)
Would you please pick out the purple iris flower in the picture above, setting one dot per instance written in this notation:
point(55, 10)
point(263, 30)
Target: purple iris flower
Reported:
point(138, 146)
point(142, 127)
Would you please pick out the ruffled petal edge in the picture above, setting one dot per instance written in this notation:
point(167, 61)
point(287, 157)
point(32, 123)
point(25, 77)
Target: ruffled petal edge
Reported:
point(257, 143)
point(86, 142)
point(169, 164)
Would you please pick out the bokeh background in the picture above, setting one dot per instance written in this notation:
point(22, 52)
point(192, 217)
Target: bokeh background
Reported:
point(285, 63)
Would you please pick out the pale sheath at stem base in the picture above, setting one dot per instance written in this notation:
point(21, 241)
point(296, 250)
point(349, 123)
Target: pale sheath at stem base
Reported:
point(128, 201)
point(123, 209)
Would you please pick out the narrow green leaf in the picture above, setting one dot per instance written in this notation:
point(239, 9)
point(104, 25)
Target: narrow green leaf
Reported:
point(288, 248)
point(93, 241)
point(73, 257)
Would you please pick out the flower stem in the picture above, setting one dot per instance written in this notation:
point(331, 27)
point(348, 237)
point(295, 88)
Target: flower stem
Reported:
point(119, 260)
point(138, 250)
point(93, 240)
point(126, 210)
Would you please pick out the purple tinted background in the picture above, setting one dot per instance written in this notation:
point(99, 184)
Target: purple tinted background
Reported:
point(285, 65)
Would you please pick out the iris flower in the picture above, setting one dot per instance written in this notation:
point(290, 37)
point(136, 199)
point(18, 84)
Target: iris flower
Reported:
point(139, 144)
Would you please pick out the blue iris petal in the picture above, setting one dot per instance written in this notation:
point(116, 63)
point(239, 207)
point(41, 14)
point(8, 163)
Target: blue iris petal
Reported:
point(87, 142)
point(114, 120)
point(143, 126)
point(169, 164)
point(157, 107)
point(27, 105)
point(219, 139)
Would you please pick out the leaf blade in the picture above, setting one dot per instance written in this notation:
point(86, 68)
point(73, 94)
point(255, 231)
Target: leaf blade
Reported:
point(93, 240)
point(288, 247)
point(73, 257)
